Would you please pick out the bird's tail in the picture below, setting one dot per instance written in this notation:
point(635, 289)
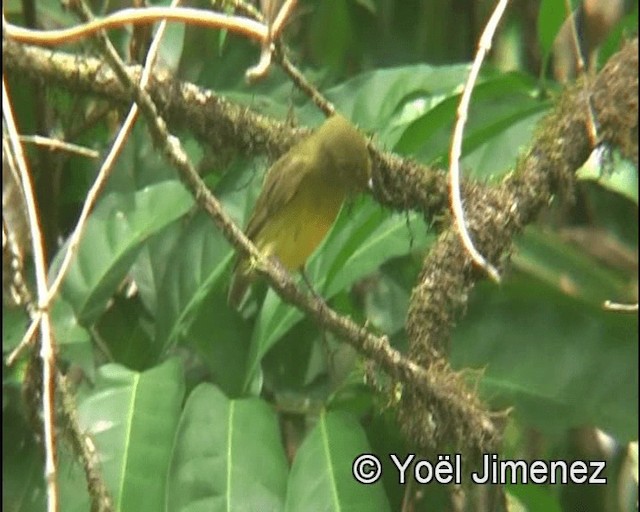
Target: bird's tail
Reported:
point(240, 283)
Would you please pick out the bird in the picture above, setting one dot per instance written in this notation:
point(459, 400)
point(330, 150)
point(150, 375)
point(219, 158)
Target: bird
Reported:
point(301, 197)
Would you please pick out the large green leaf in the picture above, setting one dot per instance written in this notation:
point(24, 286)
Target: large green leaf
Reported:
point(198, 265)
point(561, 361)
point(321, 476)
point(372, 98)
point(114, 234)
point(621, 178)
point(228, 456)
point(546, 256)
point(498, 105)
point(132, 418)
point(23, 487)
point(551, 16)
point(150, 267)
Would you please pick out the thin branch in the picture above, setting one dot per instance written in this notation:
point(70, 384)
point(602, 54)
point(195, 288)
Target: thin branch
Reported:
point(456, 144)
point(623, 308)
point(47, 350)
point(273, 33)
point(61, 145)
point(243, 26)
point(302, 83)
point(84, 448)
point(28, 337)
point(580, 68)
point(280, 55)
point(282, 17)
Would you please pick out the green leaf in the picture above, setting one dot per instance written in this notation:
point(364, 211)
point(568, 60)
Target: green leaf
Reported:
point(622, 179)
point(550, 259)
point(373, 98)
point(126, 332)
point(535, 497)
point(139, 165)
point(114, 234)
point(23, 478)
point(132, 418)
point(560, 361)
point(72, 339)
point(321, 476)
point(550, 18)
point(498, 104)
point(228, 455)
point(150, 267)
point(221, 338)
point(15, 322)
point(199, 266)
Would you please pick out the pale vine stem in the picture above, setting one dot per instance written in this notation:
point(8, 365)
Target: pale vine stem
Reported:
point(456, 144)
point(243, 26)
point(280, 54)
point(274, 29)
point(47, 349)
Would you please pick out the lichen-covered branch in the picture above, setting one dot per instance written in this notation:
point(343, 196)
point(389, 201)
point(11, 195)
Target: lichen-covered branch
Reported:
point(495, 216)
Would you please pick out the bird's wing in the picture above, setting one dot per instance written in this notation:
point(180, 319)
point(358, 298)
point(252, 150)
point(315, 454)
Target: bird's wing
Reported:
point(280, 185)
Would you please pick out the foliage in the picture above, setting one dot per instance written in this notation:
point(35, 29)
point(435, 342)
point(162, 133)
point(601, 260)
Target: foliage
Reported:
point(194, 406)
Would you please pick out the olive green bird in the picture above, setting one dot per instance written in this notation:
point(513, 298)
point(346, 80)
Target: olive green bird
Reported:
point(302, 194)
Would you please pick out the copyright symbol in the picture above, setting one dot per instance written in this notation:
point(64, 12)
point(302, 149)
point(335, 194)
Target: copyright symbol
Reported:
point(366, 469)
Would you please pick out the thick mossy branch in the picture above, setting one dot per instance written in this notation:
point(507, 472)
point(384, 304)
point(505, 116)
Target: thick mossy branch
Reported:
point(222, 125)
point(560, 146)
point(225, 127)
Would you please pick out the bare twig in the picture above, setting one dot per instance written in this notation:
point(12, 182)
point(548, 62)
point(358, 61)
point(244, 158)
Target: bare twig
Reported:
point(47, 349)
point(280, 55)
point(281, 18)
point(580, 69)
point(273, 33)
point(616, 306)
point(57, 144)
point(303, 84)
point(456, 144)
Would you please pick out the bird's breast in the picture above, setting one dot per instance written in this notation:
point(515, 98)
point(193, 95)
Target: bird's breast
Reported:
point(296, 230)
